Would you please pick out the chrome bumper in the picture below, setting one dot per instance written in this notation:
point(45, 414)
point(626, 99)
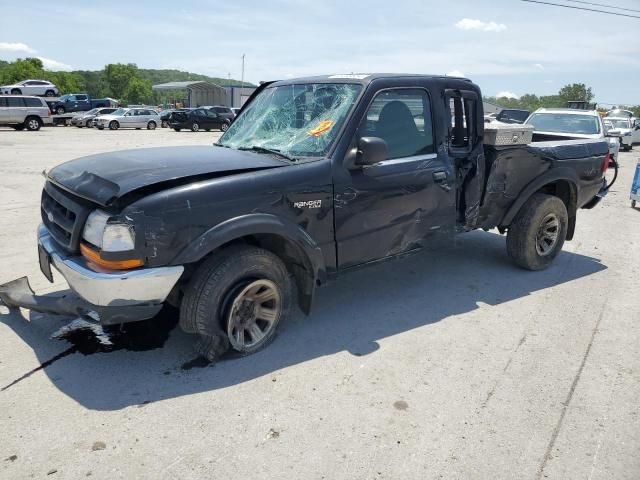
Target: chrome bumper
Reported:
point(108, 288)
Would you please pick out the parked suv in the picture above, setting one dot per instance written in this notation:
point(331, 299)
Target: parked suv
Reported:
point(20, 112)
point(31, 87)
point(129, 118)
point(198, 119)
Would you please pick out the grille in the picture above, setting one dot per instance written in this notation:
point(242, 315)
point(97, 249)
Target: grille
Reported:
point(64, 216)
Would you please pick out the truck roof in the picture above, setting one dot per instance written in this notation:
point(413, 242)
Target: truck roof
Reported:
point(362, 78)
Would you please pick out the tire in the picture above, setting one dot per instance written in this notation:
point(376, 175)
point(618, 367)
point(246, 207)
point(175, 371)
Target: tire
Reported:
point(88, 124)
point(177, 129)
point(16, 91)
point(18, 127)
point(49, 93)
point(538, 231)
point(164, 124)
point(60, 110)
point(219, 301)
point(151, 125)
point(114, 125)
point(195, 127)
point(224, 127)
point(633, 204)
point(33, 124)
point(207, 129)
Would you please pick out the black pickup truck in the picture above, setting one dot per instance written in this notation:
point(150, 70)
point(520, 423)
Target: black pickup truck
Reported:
point(316, 177)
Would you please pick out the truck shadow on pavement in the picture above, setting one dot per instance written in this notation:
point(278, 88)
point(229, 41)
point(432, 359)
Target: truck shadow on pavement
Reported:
point(155, 361)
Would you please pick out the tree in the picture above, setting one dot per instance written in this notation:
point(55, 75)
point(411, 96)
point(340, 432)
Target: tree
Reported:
point(576, 91)
point(22, 69)
point(137, 91)
point(118, 76)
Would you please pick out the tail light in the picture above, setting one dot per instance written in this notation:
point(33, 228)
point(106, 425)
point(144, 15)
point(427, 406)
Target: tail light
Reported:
point(605, 164)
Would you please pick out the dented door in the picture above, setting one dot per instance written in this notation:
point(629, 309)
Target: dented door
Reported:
point(396, 205)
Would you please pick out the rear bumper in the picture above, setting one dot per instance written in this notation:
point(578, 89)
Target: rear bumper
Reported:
point(598, 197)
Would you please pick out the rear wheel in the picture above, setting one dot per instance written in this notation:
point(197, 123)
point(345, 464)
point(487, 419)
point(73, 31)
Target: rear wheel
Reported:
point(16, 91)
point(60, 110)
point(538, 231)
point(237, 299)
point(114, 125)
point(18, 127)
point(195, 127)
point(177, 129)
point(33, 124)
point(49, 93)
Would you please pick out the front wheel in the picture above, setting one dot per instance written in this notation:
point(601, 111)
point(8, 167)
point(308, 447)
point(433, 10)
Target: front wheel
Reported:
point(224, 127)
point(16, 91)
point(151, 125)
point(538, 231)
point(113, 125)
point(89, 123)
point(60, 110)
point(195, 127)
point(177, 129)
point(49, 93)
point(236, 300)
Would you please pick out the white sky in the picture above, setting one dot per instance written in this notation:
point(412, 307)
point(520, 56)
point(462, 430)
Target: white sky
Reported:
point(503, 45)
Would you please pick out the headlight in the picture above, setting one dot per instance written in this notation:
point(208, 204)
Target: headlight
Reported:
point(109, 237)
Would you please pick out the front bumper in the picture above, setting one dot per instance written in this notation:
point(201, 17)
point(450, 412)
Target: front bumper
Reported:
point(107, 296)
point(110, 288)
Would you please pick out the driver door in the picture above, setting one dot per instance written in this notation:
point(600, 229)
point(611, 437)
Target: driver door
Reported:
point(397, 205)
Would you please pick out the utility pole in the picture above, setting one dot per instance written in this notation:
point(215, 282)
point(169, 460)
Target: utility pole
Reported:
point(242, 77)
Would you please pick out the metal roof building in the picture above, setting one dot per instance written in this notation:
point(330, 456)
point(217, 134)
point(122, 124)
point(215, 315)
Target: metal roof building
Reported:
point(198, 92)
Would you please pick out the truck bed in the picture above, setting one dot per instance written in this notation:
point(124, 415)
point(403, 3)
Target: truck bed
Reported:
point(512, 169)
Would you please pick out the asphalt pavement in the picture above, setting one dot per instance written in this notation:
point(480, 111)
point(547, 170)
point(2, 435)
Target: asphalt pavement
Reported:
point(450, 364)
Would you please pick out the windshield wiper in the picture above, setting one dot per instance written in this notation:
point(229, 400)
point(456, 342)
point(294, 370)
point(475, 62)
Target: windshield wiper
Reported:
point(272, 151)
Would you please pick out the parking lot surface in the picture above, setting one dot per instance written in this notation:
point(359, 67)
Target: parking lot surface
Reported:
point(449, 364)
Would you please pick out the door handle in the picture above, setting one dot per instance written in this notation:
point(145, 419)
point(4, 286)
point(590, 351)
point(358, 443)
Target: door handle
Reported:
point(440, 177)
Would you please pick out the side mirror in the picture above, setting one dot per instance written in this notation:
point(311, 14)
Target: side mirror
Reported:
point(371, 150)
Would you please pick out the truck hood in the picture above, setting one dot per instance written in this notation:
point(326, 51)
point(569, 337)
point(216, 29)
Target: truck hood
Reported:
point(107, 177)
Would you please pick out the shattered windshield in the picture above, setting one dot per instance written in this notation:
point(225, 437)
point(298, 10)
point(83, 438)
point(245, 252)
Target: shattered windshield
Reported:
point(295, 120)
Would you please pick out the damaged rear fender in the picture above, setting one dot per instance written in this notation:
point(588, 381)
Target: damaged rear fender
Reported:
point(551, 177)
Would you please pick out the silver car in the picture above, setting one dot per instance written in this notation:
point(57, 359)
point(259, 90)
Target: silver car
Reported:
point(31, 87)
point(86, 119)
point(129, 118)
point(571, 123)
point(20, 112)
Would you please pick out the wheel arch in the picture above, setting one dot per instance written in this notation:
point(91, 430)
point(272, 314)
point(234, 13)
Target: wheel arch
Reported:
point(561, 183)
point(288, 241)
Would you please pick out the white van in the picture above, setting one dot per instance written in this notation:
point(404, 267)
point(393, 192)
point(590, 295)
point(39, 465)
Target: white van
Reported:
point(20, 112)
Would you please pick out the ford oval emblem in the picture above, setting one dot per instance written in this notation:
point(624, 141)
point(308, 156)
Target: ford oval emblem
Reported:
point(50, 217)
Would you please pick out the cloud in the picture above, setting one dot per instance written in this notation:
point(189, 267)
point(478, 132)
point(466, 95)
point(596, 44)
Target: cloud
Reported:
point(539, 66)
point(506, 94)
point(54, 65)
point(16, 47)
point(474, 24)
point(456, 73)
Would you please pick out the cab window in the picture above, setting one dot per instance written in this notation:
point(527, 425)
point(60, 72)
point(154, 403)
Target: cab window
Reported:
point(402, 118)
